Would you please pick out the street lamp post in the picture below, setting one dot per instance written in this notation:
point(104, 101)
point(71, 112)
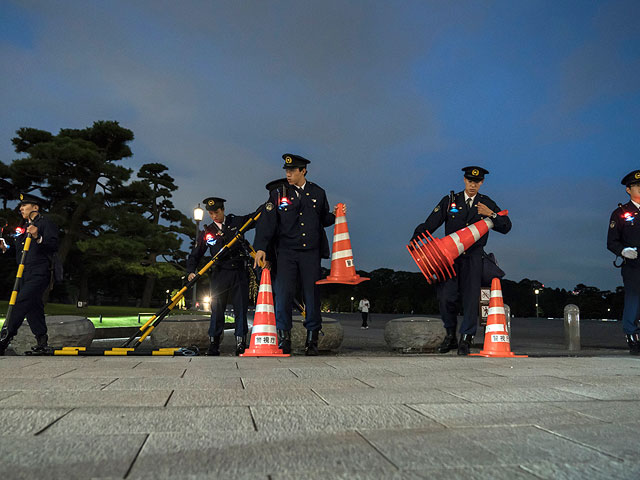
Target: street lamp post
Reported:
point(537, 292)
point(198, 215)
point(351, 304)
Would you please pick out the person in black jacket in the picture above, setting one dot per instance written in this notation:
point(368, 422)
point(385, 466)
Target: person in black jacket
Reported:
point(623, 239)
point(229, 277)
point(296, 220)
point(465, 208)
point(36, 275)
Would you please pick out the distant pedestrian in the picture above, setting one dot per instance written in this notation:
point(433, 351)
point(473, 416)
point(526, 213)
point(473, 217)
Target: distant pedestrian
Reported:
point(458, 211)
point(623, 239)
point(364, 306)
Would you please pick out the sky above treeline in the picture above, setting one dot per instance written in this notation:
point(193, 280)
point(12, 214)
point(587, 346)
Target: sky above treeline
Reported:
point(388, 99)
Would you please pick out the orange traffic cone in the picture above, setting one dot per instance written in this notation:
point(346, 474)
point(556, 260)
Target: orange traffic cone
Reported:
point(342, 268)
point(435, 256)
point(496, 337)
point(264, 337)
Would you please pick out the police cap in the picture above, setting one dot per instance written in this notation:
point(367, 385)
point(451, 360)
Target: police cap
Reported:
point(631, 178)
point(475, 173)
point(213, 203)
point(273, 184)
point(29, 198)
point(293, 161)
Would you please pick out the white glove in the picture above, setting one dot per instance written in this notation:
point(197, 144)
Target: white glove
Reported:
point(630, 253)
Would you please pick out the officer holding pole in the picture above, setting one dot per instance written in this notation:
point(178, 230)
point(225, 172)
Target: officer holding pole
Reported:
point(35, 244)
point(623, 239)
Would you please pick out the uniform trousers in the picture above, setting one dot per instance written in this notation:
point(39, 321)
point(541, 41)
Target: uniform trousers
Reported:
point(233, 284)
point(29, 304)
point(466, 283)
point(631, 312)
point(292, 264)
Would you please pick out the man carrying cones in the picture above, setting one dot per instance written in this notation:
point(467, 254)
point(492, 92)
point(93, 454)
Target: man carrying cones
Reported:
point(36, 276)
point(296, 221)
point(458, 211)
point(623, 239)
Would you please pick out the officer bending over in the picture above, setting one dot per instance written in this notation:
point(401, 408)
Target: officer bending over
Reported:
point(229, 276)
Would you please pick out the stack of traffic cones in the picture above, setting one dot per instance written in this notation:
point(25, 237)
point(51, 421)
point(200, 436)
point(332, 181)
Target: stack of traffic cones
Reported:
point(496, 337)
point(435, 256)
point(342, 268)
point(264, 337)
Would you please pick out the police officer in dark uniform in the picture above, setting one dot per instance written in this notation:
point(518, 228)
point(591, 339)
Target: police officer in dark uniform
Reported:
point(623, 239)
point(457, 211)
point(229, 277)
point(297, 221)
point(36, 275)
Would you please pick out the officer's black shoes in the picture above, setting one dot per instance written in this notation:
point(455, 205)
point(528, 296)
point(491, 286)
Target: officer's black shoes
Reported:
point(450, 341)
point(284, 341)
point(311, 345)
point(5, 340)
point(42, 348)
point(241, 345)
point(464, 348)
point(214, 346)
point(634, 344)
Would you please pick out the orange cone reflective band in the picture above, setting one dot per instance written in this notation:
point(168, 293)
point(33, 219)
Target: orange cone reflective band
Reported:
point(343, 269)
point(264, 337)
point(496, 337)
point(435, 256)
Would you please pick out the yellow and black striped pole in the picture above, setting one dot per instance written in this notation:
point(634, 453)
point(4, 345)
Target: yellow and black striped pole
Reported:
point(16, 284)
point(130, 345)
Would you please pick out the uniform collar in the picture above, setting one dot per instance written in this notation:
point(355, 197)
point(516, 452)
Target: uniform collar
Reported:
point(637, 205)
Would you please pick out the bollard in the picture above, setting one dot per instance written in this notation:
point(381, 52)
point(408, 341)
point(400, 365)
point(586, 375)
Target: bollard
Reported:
point(507, 316)
point(572, 328)
point(100, 318)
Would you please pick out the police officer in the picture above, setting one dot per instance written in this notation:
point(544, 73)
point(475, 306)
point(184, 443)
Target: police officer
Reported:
point(36, 275)
point(296, 220)
point(456, 212)
point(623, 239)
point(229, 276)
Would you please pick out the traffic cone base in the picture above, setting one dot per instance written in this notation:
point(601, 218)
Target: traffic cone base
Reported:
point(496, 337)
point(343, 269)
point(264, 336)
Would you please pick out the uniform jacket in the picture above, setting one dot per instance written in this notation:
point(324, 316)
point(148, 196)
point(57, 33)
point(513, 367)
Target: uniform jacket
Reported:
point(41, 252)
point(624, 231)
point(297, 222)
point(213, 240)
point(454, 221)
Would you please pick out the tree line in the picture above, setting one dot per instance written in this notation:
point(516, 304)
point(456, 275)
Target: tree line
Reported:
point(122, 237)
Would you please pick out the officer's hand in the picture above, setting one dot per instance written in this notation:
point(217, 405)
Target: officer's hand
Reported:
point(484, 210)
point(630, 253)
point(33, 230)
point(191, 277)
point(344, 209)
point(260, 259)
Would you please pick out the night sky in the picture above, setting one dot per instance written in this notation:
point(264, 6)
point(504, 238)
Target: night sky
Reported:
point(388, 99)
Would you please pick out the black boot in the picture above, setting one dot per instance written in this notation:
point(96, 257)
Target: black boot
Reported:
point(311, 345)
point(241, 345)
point(465, 344)
point(284, 341)
point(5, 340)
point(42, 348)
point(633, 341)
point(214, 346)
point(450, 341)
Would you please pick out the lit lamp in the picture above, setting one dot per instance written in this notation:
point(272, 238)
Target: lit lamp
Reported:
point(537, 292)
point(352, 304)
point(198, 215)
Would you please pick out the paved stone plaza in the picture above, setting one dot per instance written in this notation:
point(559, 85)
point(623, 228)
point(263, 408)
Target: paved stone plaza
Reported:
point(412, 417)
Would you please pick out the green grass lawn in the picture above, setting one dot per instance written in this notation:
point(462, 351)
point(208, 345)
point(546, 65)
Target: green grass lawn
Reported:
point(112, 316)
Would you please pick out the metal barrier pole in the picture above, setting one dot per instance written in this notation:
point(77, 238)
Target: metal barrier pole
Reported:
point(507, 316)
point(572, 328)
